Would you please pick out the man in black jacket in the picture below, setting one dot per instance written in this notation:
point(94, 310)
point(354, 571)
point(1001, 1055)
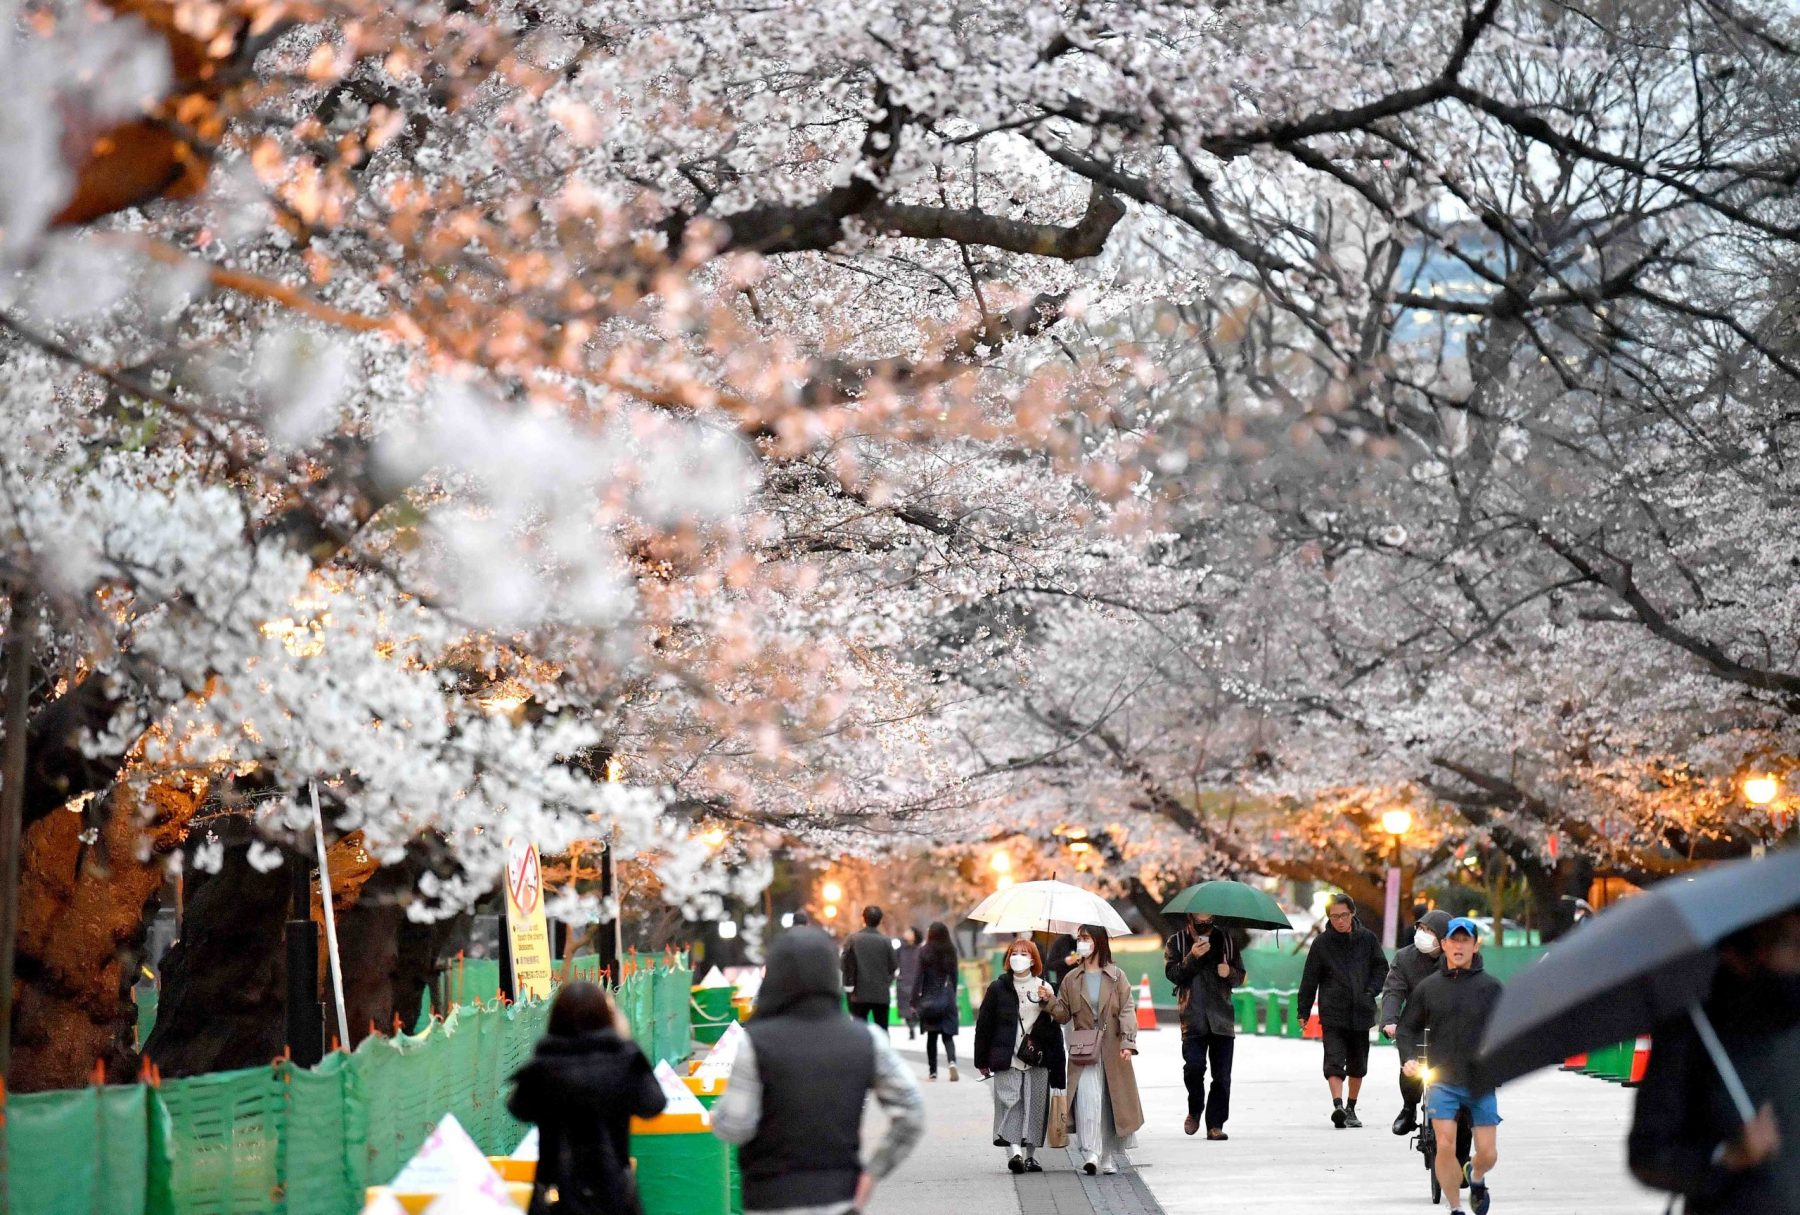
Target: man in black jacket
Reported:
point(1425, 956)
point(1687, 1134)
point(1345, 969)
point(1204, 965)
point(1453, 1006)
point(870, 962)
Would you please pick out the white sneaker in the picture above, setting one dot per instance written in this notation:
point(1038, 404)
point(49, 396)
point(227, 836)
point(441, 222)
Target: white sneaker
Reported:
point(1090, 1163)
point(1108, 1165)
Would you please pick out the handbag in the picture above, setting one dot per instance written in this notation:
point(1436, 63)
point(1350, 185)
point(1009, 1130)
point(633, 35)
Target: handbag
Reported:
point(1031, 1051)
point(1057, 1135)
point(1084, 1047)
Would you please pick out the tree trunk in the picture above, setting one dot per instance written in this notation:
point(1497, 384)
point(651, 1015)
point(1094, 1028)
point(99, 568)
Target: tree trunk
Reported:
point(82, 912)
point(389, 960)
point(224, 994)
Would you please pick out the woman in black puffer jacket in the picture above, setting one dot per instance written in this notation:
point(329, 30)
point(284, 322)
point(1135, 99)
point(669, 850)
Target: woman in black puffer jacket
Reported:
point(1013, 1011)
point(582, 1088)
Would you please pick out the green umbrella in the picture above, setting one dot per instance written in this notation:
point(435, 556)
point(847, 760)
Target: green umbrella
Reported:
point(1232, 900)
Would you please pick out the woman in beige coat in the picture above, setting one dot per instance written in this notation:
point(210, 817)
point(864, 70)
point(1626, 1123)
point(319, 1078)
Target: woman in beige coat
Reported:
point(1097, 995)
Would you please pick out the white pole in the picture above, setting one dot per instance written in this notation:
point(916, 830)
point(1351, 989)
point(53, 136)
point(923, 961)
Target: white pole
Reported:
point(331, 945)
point(1734, 1086)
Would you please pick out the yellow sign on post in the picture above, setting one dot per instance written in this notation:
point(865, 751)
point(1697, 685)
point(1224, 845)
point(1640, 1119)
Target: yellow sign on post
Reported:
point(526, 933)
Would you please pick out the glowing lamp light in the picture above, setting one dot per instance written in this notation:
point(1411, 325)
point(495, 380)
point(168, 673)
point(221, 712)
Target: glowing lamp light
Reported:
point(1001, 863)
point(1004, 881)
point(833, 892)
point(1397, 821)
point(713, 837)
point(1080, 846)
point(1761, 790)
point(787, 919)
point(727, 930)
point(831, 913)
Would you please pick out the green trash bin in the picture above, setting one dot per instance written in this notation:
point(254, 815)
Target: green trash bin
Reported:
point(734, 1176)
point(682, 1169)
point(714, 1013)
point(1611, 1062)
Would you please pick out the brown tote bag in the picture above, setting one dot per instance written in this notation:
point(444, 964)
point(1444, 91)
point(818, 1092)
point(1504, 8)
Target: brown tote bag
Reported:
point(1057, 1135)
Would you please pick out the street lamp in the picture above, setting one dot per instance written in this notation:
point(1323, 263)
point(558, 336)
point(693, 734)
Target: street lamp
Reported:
point(1001, 864)
point(1762, 789)
point(1396, 822)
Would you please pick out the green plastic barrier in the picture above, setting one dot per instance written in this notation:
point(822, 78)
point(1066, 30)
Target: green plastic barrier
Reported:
point(734, 1175)
point(681, 1172)
point(82, 1152)
point(226, 1141)
point(1243, 1007)
point(1611, 1062)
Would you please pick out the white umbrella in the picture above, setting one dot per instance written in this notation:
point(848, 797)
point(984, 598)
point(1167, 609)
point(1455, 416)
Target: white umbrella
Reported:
point(1046, 907)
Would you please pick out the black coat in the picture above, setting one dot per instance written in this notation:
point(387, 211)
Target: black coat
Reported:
point(1345, 970)
point(938, 975)
point(582, 1094)
point(1203, 997)
point(1683, 1113)
point(1454, 1007)
point(1410, 969)
point(869, 964)
point(997, 1033)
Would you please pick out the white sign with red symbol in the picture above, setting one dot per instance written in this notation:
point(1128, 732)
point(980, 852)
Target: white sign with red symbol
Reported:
point(524, 879)
point(527, 934)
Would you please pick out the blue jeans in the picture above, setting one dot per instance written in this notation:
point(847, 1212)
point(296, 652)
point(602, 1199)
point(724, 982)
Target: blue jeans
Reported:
point(1447, 1100)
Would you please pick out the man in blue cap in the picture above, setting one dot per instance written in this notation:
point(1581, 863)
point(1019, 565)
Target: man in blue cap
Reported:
point(1453, 1006)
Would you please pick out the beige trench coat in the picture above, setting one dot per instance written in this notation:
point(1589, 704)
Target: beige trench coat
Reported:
point(1116, 1019)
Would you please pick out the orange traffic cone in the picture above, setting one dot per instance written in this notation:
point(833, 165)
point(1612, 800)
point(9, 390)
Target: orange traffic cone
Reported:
point(1313, 1029)
point(1145, 1009)
point(1640, 1060)
point(1575, 1063)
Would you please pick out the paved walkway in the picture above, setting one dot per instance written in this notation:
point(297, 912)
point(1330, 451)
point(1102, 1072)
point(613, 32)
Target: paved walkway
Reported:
point(1562, 1148)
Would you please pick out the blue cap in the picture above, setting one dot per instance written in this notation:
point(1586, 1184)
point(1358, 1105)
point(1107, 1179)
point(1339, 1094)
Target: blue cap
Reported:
point(1463, 923)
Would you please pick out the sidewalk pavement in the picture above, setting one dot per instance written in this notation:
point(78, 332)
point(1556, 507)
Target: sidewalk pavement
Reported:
point(1562, 1147)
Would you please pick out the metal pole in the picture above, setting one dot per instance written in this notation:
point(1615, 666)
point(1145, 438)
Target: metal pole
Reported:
point(12, 801)
point(1710, 1039)
point(331, 944)
point(1391, 921)
point(305, 1020)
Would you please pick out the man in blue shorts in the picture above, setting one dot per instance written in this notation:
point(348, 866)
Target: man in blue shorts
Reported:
point(1453, 1006)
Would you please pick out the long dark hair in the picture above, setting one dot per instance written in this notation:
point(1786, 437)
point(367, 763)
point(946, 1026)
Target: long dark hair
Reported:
point(939, 951)
point(580, 1008)
point(1102, 943)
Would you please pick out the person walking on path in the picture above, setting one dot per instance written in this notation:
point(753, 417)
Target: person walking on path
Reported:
point(1345, 969)
point(934, 997)
point(794, 1103)
point(1412, 964)
point(1204, 964)
point(1022, 1050)
point(1096, 1001)
point(906, 963)
point(1686, 1134)
point(1453, 1006)
point(869, 968)
point(582, 1087)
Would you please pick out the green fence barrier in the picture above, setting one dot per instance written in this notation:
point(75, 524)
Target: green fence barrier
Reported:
point(283, 1140)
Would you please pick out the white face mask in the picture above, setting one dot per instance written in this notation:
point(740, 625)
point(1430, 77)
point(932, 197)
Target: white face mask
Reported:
point(1020, 963)
point(1425, 941)
point(1084, 949)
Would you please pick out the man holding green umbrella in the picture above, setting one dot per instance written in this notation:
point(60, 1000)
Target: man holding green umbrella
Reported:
point(1204, 963)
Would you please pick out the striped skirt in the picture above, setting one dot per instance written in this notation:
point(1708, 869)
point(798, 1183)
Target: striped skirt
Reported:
point(1021, 1105)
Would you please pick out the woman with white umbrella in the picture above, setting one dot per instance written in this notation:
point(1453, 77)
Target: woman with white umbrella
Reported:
point(1096, 999)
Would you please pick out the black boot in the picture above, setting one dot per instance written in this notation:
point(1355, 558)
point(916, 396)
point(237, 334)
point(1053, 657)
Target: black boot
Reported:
point(1407, 1121)
point(1337, 1112)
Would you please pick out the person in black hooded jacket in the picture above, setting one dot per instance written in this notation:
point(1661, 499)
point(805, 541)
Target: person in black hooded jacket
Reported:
point(582, 1088)
point(1345, 969)
point(1412, 965)
point(1453, 1007)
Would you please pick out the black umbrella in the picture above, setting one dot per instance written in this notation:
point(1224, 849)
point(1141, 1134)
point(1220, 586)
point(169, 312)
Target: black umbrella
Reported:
point(1639, 962)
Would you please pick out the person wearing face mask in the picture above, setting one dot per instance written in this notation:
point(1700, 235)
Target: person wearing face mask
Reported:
point(1412, 964)
point(1022, 1051)
point(1097, 1002)
point(1204, 964)
point(1686, 1134)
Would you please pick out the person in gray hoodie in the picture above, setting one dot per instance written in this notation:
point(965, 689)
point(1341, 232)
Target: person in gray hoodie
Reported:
point(795, 1099)
point(1425, 956)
